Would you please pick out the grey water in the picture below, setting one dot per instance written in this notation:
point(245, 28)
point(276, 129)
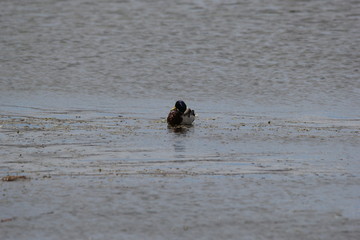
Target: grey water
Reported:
point(85, 87)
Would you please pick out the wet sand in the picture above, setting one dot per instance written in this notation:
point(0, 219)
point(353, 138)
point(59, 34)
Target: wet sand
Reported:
point(93, 174)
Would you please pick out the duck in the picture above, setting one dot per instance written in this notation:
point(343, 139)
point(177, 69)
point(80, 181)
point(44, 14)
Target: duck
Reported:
point(180, 114)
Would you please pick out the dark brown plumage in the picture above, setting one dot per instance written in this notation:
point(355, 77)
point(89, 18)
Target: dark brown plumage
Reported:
point(175, 117)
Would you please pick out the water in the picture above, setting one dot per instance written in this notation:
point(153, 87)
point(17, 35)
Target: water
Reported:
point(85, 89)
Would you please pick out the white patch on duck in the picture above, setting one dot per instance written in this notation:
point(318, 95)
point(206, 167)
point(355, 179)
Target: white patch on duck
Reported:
point(188, 117)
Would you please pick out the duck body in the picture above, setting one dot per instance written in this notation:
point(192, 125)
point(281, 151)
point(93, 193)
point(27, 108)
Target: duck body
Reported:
point(180, 114)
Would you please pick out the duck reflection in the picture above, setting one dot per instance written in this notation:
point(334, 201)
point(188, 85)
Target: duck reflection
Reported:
point(179, 129)
point(180, 135)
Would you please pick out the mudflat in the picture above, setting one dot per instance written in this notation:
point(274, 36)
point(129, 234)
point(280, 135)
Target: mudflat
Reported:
point(90, 174)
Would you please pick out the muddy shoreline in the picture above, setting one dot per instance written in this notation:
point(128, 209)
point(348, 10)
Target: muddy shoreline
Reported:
point(129, 176)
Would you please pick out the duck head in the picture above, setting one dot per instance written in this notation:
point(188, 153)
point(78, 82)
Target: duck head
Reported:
point(181, 106)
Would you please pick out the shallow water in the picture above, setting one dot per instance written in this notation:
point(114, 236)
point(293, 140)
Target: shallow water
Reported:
point(86, 87)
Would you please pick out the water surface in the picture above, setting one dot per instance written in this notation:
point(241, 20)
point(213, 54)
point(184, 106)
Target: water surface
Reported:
point(86, 87)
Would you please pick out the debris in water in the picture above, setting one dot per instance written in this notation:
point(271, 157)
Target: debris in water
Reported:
point(14, 178)
point(7, 219)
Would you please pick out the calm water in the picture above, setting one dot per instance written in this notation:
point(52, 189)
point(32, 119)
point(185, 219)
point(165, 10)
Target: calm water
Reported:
point(85, 87)
point(295, 54)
